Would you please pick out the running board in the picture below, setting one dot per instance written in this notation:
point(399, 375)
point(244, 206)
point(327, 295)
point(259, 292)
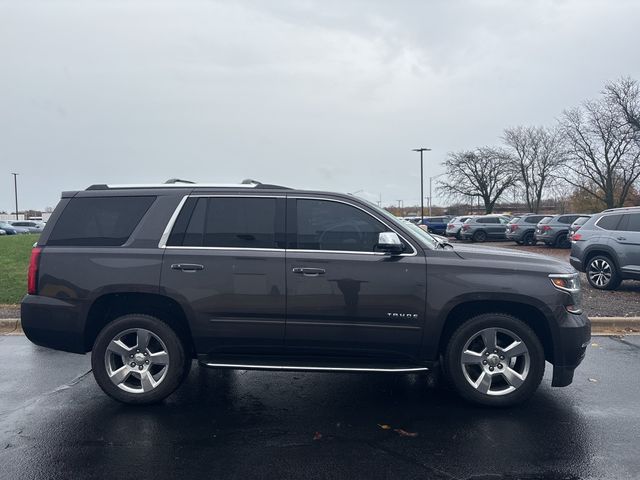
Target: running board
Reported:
point(312, 368)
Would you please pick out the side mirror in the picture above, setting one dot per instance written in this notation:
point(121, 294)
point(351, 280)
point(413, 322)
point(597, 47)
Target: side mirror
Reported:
point(389, 242)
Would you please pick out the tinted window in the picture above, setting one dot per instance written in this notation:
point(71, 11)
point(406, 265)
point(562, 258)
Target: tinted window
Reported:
point(609, 222)
point(99, 221)
point(568, 219)
point(581, 220)
point(463, 219)
point(631, 222)
point(325, 225)
point(230, 222)
point(488, 220)
point(533, 218)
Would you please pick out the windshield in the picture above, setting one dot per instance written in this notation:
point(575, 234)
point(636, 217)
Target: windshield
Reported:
point(581, 220)
point(546, 220)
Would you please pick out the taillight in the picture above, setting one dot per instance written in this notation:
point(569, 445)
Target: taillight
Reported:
point(465, 227)
point(32, 275)
point(576, 237)
point(546, 228)
point(450, 225)
point(514, 228)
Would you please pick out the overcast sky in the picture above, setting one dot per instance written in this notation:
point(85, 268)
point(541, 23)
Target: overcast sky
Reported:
point(312, 94)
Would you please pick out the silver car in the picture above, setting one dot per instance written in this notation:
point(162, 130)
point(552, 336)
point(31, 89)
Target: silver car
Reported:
point(32, 226)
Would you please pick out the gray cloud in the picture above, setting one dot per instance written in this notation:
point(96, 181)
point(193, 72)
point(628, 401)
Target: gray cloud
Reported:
point(312, 94)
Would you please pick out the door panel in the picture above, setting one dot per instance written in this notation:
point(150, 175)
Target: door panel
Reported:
point(224, 261)
point(626, 241)
point(237, 298)
point(343, 298)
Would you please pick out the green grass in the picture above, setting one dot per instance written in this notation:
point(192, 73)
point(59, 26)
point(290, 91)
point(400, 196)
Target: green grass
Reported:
point(15, 251)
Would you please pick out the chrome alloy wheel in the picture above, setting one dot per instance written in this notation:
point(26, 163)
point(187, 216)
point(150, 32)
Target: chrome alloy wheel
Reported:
point(495, 361)
point(137, 360)
point(600, 272)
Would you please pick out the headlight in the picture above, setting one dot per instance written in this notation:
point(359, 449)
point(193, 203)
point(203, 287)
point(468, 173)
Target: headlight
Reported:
point(569, 282)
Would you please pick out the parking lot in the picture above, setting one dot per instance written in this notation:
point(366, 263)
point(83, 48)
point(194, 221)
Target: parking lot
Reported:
point(56, 423)
point(622, 302)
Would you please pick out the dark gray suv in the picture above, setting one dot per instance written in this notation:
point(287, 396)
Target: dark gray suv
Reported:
point(257, 276)
point(607, 247)
point(554, 231)
point(522, 229)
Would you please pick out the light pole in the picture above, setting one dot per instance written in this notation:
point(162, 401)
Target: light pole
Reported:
point(15, 189)
point(421, 150)
point(430, 197)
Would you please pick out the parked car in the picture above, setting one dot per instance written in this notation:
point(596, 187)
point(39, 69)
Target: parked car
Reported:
point(2, 232)
point(8, 228)
point(483, 228)
point(436, 225)
point(31, 226)
point(607, 247)
point(522, 229)
point(454, 226)
point(575, 226)
point(264, 277)
point(554, 231)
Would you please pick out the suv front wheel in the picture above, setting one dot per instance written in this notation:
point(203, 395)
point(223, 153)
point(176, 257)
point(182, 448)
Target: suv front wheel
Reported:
point(494, 359)
point(138, 359)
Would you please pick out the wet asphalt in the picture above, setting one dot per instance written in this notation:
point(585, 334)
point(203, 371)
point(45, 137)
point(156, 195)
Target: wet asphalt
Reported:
point(56, 423)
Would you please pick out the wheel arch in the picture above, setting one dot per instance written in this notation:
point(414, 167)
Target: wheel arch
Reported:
point(112, 305)
point(529, 314)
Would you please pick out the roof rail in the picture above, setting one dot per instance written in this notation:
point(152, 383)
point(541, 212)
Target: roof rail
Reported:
point(621, 208)
point(177, 183)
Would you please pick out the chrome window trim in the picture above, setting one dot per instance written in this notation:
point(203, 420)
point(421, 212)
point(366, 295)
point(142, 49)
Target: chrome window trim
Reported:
point(413, 254)
point(174, 217)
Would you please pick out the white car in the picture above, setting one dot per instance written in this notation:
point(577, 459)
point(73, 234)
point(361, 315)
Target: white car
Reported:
point(455, 224)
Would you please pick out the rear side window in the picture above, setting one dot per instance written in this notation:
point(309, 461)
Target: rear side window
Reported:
point(545, 220)
point(514, 220)
point(488, 220)
point(609, 222)
point(630, 223)
point(229, 222)
point(568, 219)
point(99, 221)
point(581, 221)
point(533, 219)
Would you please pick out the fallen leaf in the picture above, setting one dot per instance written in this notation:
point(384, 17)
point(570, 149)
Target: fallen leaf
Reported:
point(384, 427)
point(317, 436)
point(404, 433)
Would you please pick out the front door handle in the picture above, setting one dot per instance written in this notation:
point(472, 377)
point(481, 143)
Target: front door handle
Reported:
point(309, 272)
point(621, 238)
point(187, 267)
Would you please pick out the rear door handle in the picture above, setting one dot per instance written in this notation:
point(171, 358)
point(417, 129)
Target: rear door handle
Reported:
point(187, 267)
point(621, 238)
point(309, 272)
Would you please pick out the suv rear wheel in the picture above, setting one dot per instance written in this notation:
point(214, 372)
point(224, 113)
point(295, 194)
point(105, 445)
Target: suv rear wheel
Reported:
point(602, 273)
point(529, 239)
point(563, 241)
point(480, 236)
point(494, 359)
point(138, 359)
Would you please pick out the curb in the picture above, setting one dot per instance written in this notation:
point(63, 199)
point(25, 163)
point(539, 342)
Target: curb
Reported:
point(599, 325)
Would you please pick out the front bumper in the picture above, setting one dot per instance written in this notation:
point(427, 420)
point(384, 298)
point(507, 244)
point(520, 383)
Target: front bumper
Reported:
point(570, 341)
point(576, 263)
point(52, 323)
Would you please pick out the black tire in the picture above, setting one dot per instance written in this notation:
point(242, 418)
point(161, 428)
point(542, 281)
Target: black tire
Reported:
point(562, 241)
point(529, 239)
point(480, 236)
point(178, 367)
point(518, 242)
point(457, 374)
point(599, 263)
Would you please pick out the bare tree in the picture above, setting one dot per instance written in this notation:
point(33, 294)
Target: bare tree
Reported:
point(482, 173)
point(625, 95)
point(536, 155)
point(602, 149)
